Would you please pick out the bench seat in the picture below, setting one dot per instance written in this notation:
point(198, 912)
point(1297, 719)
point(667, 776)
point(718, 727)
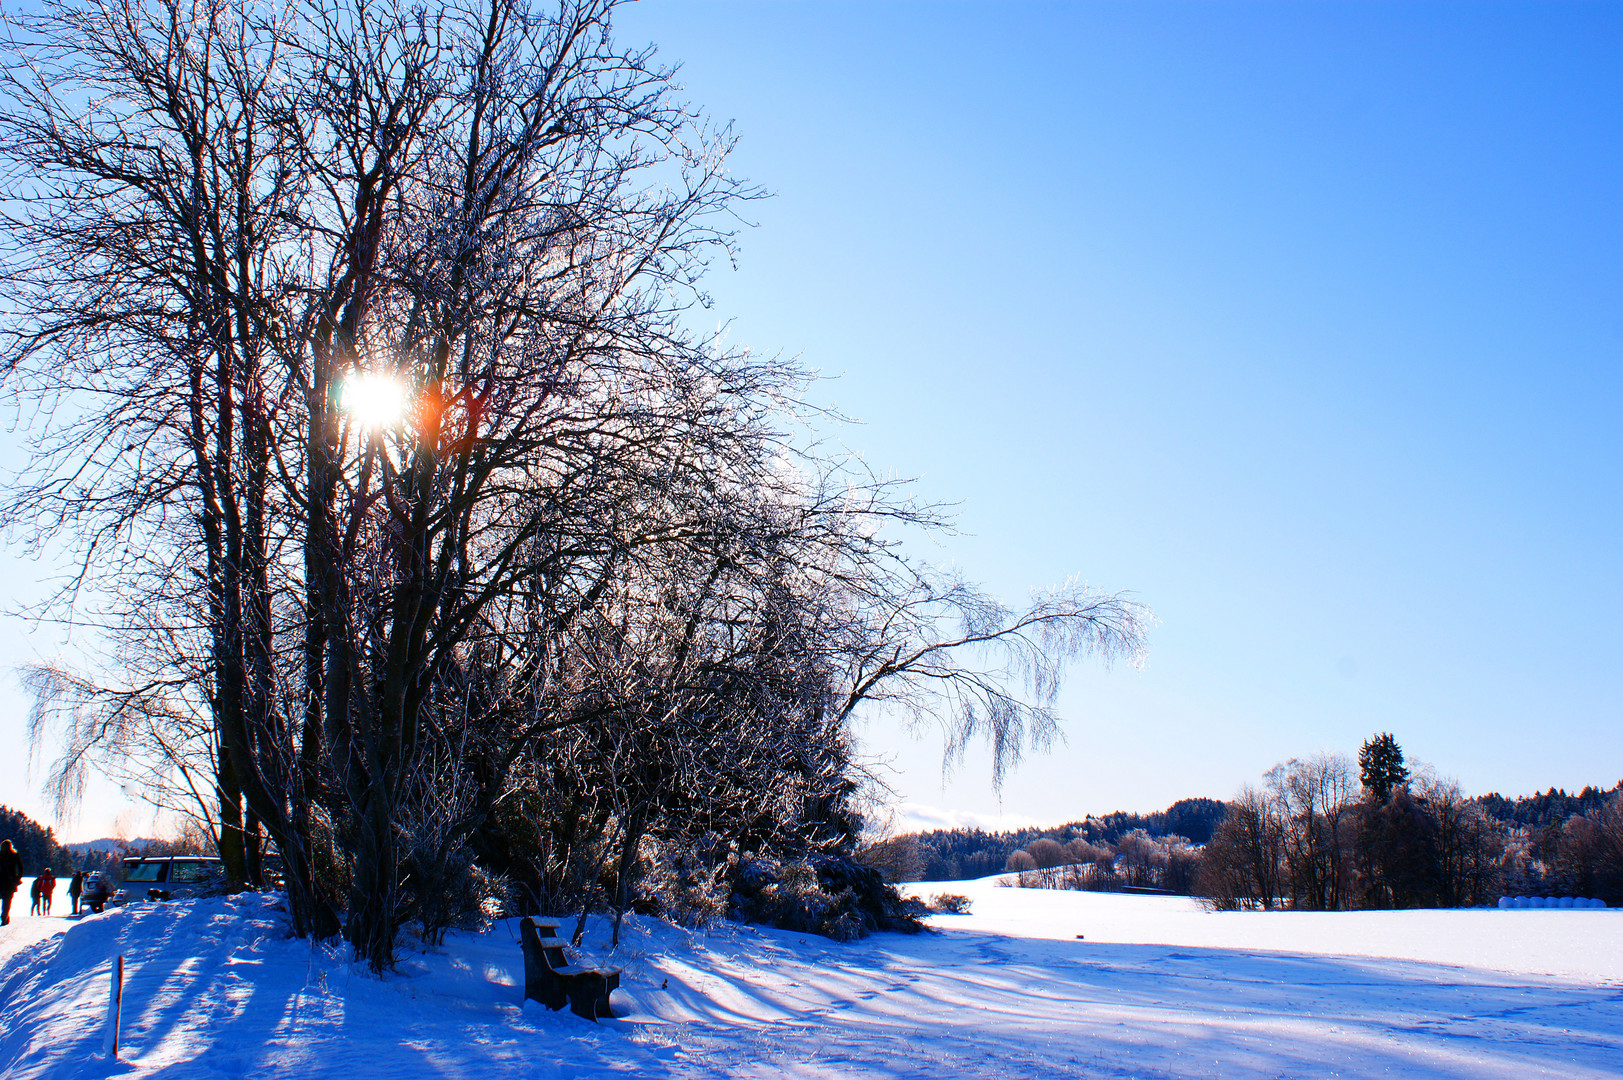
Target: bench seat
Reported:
point(550, 979)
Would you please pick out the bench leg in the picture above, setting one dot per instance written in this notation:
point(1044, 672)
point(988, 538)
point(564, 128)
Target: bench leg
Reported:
point(554, 989)
point(588, 996)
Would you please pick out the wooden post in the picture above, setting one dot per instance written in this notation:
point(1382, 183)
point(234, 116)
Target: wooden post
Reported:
point(115, 1008)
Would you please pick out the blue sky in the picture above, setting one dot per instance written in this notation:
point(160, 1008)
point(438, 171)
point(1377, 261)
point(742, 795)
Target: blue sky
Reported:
point(1305, 322)
point(1302, 321)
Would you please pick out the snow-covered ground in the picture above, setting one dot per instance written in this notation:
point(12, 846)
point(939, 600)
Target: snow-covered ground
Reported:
point(1157, 988)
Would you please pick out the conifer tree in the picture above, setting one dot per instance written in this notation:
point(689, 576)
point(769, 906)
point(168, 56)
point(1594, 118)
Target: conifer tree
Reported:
point(1380, 767)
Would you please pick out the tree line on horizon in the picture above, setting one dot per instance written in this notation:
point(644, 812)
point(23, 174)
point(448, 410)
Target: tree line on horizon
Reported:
point(37, 844)
point(39, 848)
point(1318, 834)
point(1322, 834)
point(964, 854)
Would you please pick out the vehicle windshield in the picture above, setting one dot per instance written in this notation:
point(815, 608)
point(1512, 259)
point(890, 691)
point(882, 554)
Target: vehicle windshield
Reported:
point(146, 871)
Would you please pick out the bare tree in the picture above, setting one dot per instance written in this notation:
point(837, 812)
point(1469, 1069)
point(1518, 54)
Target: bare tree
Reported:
point(335, 191)
point(590, 567)
point(1315, 798)
point(897, 858)
point(1590, 853)
point(1046, 852)
point(147, 145)
point(1020, 861)
point(1469, 844)
point(1243, 862)
point(942, 651)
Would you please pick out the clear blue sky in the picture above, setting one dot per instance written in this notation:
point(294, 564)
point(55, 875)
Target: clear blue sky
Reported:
point(1302, 321)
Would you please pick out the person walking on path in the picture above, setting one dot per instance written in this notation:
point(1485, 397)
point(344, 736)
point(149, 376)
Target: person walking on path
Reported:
point(76, 888)
point(46, 884)
point(11, 876)
point(33, 898)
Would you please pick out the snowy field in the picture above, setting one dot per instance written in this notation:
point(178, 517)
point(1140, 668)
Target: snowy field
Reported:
point(1157, 988)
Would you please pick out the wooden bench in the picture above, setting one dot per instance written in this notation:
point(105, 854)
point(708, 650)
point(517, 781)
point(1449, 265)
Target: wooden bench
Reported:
point(552, 980)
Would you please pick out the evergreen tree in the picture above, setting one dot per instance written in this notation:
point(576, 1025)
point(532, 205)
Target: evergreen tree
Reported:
point(35, 843)
point(1380, 767)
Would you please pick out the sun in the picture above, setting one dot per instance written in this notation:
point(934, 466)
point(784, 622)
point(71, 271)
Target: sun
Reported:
point(374, 401)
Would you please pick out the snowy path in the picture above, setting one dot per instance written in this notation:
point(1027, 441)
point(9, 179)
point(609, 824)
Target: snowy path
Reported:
point(25, 929)
point(215, 990)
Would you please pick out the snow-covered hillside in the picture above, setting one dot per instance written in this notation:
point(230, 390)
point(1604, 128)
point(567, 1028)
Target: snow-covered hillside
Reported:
point(1157, 988)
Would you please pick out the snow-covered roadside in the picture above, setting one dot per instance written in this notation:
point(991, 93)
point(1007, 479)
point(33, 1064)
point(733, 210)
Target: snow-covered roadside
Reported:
point(215, 989)
point(25, 929)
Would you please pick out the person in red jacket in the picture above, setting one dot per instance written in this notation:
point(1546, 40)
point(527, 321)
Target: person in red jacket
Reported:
point(11, 876)
point(46, 882)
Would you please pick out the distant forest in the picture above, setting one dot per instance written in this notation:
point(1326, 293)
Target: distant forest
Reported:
point(1550, 810)
point(1319, 834)
point(961, 854)
point(36, 844)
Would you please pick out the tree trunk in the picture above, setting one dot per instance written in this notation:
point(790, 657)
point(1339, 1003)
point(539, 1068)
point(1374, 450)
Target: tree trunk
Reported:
point(233, 852)
point(253, 852)
point(373, 912)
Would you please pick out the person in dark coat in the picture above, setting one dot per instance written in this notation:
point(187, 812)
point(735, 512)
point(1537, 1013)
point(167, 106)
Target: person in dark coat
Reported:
point(76, 888)
point(11, 876)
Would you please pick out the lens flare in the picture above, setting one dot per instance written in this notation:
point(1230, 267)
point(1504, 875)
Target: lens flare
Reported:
point(375, 401)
